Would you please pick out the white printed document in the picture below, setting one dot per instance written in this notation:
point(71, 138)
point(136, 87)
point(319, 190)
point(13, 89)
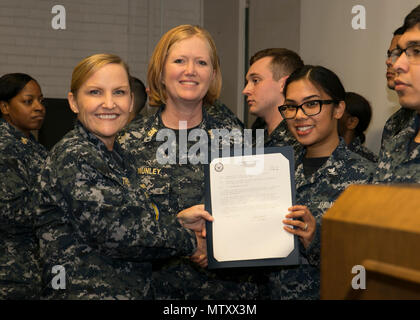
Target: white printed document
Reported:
point(250, 196)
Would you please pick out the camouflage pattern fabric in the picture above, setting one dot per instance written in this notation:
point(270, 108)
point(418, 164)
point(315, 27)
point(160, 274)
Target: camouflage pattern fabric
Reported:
point(357, 147)
point(176, 187)
point(396, 123)
point(95, 220)
point(220, 111)
point(398, 161)
point(21, 159)
point(318, 192)
point(280, 137)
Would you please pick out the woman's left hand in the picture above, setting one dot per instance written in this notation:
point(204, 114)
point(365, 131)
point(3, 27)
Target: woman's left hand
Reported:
point(305, 224)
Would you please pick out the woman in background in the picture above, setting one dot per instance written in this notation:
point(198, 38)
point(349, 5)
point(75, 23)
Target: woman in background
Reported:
point(21, 158)
point(353, 124)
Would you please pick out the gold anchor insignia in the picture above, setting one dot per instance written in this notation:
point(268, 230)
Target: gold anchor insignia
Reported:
point(126, 181)
point(152, 132)
point(24, 140)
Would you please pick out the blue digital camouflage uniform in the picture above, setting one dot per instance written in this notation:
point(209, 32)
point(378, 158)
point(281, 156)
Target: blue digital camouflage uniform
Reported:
point(396, 123)
point(96, 221)
point(357, 147)
point(21, 159)
point(176, 187)
point(399, 157)
point(318, 192)
point(220, 111)
point(280, 137)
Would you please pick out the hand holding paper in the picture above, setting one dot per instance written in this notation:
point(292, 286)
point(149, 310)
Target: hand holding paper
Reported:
point(194, 218)
point(305, 228)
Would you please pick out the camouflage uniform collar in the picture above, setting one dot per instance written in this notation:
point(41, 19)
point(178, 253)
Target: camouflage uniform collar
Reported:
point(405, 138)
point(278, 131)
point(155, 123)
point(413, 124)
point(90, 137)
point(19, 135)
point(357, 141)
point(339, 155)
point(410, 123)
point(408, 128)
point(110, 163)
point(342, 147)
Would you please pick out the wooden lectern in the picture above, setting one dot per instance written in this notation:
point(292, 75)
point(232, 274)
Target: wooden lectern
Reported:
point(377, 227)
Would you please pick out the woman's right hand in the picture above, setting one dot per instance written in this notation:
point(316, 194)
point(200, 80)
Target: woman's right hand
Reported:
point(194, 218)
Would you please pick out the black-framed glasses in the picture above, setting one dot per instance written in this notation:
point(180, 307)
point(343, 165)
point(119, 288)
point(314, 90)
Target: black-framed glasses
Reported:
point(412, 52)
point(310, 108)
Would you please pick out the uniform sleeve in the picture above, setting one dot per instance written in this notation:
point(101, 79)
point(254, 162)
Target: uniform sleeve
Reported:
point(313, 252)
point(57, 239)
point(122, 227)
point(16, 202)
point(82, 228)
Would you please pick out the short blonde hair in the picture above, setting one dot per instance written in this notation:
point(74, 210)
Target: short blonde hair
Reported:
point(157, 93)
point(88, 66)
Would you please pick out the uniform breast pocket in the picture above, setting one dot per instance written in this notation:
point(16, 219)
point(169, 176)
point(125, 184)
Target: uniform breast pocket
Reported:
point(188, 186)
point(157, 187)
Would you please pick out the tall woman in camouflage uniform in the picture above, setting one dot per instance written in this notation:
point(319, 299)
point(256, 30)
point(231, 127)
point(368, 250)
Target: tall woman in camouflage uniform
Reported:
point(183, 78)
point(314, 103)
point(21, 157)
point(95, 221)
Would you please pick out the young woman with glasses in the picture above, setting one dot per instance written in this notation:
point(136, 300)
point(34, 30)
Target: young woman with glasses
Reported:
point(314, 103)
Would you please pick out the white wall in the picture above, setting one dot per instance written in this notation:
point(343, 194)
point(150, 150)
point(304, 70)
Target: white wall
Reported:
point(273, 24)
point(357, 56)
point(129, 28)
point(225, 20)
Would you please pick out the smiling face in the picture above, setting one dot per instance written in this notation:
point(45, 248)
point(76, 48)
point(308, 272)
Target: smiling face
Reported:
point(262, 91)
point(188, 71)
point(407, 79)
point(317, 133)
point(25, 111)
point(103, 102)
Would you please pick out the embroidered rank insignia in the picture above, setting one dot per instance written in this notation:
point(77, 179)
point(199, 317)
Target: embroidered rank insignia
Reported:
point(126, 181)
point(24, 140)
point(152, 132)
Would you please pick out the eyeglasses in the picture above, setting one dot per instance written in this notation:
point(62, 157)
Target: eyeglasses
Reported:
point(310, 108)
point(412, 52)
